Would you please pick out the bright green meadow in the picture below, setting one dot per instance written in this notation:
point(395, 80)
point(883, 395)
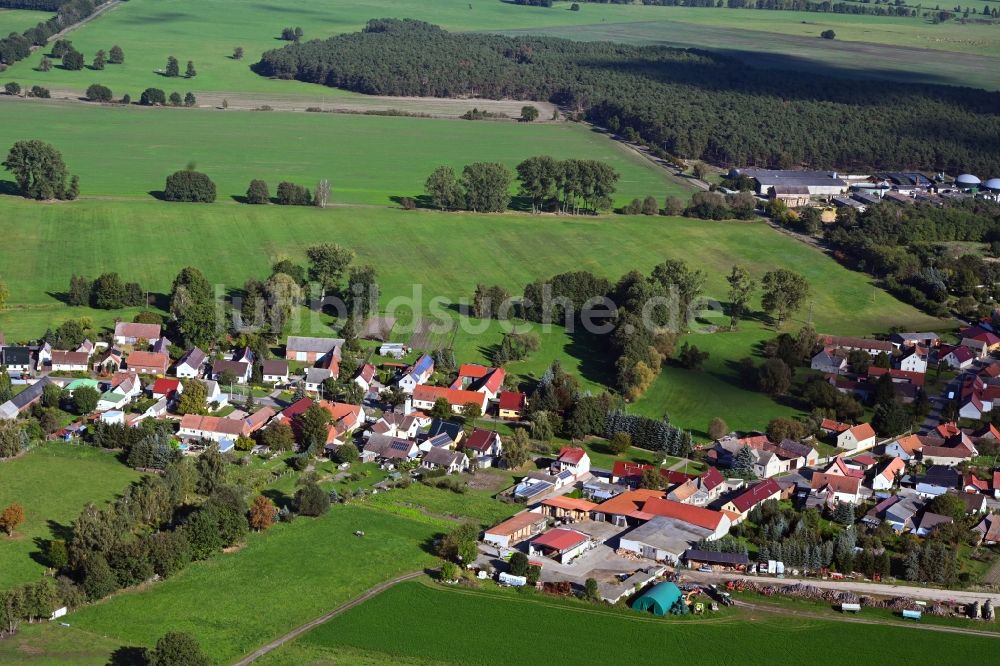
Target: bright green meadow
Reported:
point(622, 636)
point(129, 152)
point(53, 483)
point(206, 31)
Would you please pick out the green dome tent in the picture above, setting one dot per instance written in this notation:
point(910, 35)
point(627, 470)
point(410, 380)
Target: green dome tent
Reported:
point(659, 599)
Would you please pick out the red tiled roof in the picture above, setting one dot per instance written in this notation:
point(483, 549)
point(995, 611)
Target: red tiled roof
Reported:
point(571, 454)
point(70, 358)
point(840, 484)
point(570, 503)
point(915, 378)
point(628, 502)
point(455, 397)
point(165, 385)
point(977, 483)
point(863, 431)
point(911, 444)
point(945, 452)
point(473, 370)
point(755, 494)
point(630, 470)
point(143, 359)
point(512, 400)
point(135, 330)
point(864, 459)
point(711, 478)
point(516, 523)
point(687, 513)
point(480, 440)
point(833, 426)
point(296, 408)
point(560, 539)
point(213, 424)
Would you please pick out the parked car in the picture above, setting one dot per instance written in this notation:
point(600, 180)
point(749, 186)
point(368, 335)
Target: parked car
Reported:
point(705, 568)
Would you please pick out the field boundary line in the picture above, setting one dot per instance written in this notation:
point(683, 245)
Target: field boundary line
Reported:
point(346, 606)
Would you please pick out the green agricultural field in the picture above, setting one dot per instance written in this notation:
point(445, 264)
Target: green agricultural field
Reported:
point(293, 573)
point(53, 483)
point(774, 43)
point(368, 159)
point(19, 20)
point(206, 31)
point(56, 645)
point(534, 620)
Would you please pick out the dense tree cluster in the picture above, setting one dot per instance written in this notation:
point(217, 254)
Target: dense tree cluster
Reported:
point(661, 436)
point(98, 93)
point(904, 246)
point(484, 187)
point(17, 47)
point(825, 6)
point(107, 292)
point(568, 186)
point(687, 103)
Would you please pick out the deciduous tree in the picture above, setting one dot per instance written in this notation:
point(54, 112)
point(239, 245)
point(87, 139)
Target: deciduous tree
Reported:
point(262, 513)
point(11, 517)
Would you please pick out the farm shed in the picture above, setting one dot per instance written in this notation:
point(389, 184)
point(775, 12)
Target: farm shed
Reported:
point(658, 599)
point(696, 558)
point(517, 528)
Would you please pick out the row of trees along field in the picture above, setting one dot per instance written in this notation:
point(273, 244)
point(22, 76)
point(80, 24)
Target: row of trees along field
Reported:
point(683, 103)
point(17, 47)
point(877, 8)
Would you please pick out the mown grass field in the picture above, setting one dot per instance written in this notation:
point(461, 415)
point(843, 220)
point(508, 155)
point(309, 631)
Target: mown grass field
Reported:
point(206, 31)
point(620, 636)
point(19, 20)
point(53, 482)
point(279, 580)
point(368, 159)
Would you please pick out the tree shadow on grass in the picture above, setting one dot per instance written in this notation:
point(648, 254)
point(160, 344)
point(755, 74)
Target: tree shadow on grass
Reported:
point(10, 188)
point(279, 498)
point(430, 544)
point(60, 531)
point(421, 201)
point(159, 195)
point(128, 655)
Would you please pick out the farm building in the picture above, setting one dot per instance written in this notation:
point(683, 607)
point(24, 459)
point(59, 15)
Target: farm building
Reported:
point(310, 350)
point(129, 333)
point(23, 400)
point(658, 599)
point(567, 507)
point(148, 363)
point(663, 539)
point(812, 183)
point(560, 544)
point(515, 529)
point(697, 558)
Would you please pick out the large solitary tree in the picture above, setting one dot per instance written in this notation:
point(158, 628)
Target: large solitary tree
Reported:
point(784, 293)
point(39, 170)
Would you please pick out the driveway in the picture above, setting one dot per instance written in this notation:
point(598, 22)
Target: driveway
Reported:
point(859, 587)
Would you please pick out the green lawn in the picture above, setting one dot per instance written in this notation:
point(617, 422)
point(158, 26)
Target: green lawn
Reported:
point(53, 482)
point(439, 502)
point(206, 31)
point(620, 636)
point(368, 159)
point(19, 20)
point(281, 579)
point(55, 645)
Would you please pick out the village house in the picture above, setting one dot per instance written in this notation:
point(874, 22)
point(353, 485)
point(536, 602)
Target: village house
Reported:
point(190, 364)
point(857, 438)
point(453, 462)
point(572, 459)
point(948, 456)
point(365, 377)
point(166, 387)
point(240, 370)
point(344, 419)
point(17, 360)
point(989, 530)
point(511, 405)
point(417, 374)
point(751, 497)
point(958, 358)
point(828, 361)
point(43, 356)
point(484, 447)
point(515, 529)
point(24, 400)
point(425, 396)
point(383, 447)
point(836, 488)
point(479, 378)
point(130, 333)
point(212, 428)
point(395, 424)
point(147, 363)
point(889, 474)
point(274, 371)
point(259, 419)
point(913, 359)
point(929, 522)
point(910, 339)
point(311, 350)
point(870, 347)
point(67, 361)
point(122, 390)
point(109, 362)
point(905, 448)
point(313, 380)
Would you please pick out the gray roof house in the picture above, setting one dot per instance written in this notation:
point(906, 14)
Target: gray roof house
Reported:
point(22, 401)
